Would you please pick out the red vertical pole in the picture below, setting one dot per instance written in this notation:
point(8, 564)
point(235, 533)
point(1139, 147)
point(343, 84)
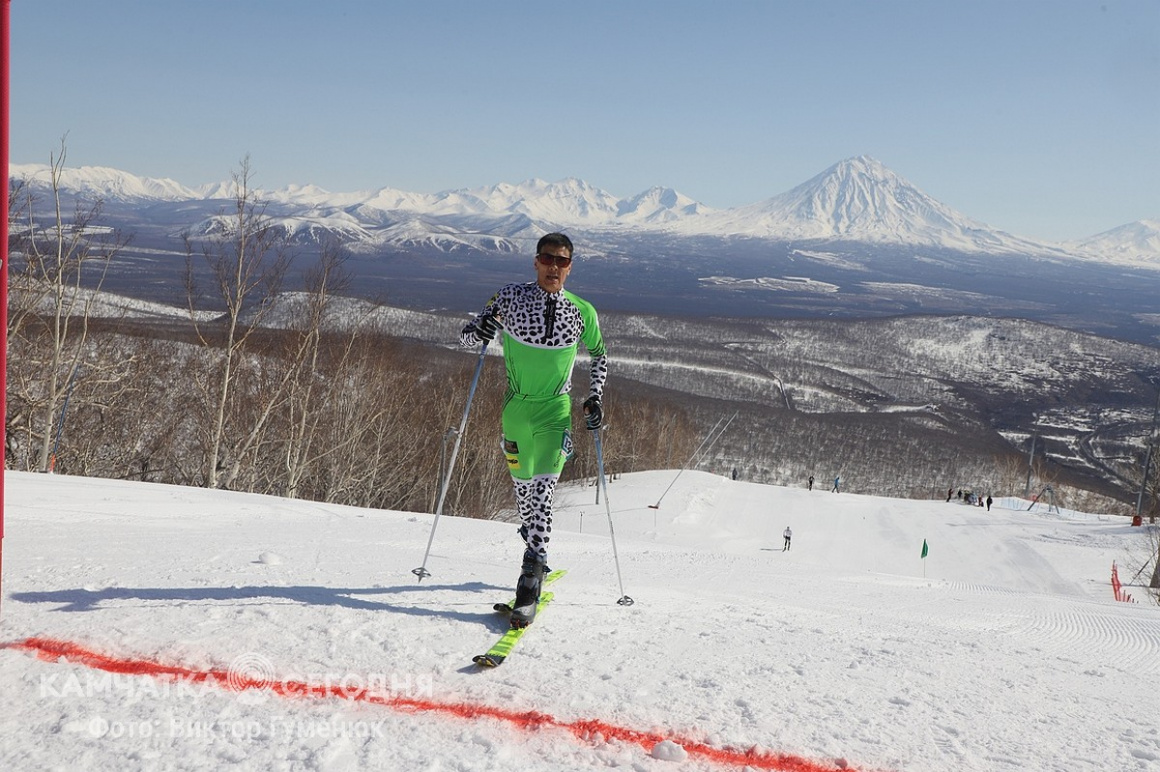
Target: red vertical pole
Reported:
point(5, 58)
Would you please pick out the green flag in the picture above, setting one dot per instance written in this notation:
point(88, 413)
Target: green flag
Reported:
point(924, 548)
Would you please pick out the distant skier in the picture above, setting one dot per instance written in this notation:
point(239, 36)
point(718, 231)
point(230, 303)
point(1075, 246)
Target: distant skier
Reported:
point(810, 483)
point(837, 482)
point(950, 493)
point(989, 501)
point(787, 534)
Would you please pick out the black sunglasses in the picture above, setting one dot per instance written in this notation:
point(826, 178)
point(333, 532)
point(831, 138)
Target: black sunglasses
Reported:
point(559, 260)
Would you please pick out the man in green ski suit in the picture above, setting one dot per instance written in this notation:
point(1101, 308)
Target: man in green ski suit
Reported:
point(542, 326)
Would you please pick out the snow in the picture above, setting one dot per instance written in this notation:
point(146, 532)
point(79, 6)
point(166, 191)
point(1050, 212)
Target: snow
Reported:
point(784, 284)
point(111, 306)
point(181, 628)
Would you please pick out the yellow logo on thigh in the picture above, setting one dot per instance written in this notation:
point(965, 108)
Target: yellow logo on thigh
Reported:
point(511, 449)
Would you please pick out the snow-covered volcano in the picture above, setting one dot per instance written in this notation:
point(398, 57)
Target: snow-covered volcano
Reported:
point(859, 199)
point(1137, 243)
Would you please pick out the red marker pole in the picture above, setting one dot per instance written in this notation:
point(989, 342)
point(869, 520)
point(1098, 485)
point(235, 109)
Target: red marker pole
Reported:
point(5, 58)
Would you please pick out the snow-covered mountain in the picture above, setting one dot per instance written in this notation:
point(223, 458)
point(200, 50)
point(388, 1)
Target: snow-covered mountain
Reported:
point(1137, 243)
point(859, 199)
point(569, 201)
point(106, 183)
point(660, 205)
point(856, 200)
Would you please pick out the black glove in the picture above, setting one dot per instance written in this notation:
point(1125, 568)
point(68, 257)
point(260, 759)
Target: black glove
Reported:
point(486, 327)
point(593, 415)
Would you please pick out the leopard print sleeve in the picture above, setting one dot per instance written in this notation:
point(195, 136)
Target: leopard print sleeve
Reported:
point(593, 340)
point(599, 374)
point(469, 336)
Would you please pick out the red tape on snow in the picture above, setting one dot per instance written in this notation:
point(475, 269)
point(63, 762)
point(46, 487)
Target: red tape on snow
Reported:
point(584, 729)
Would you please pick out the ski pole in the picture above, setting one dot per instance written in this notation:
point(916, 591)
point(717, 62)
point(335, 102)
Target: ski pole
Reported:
point(422, 571)
point(624, 599)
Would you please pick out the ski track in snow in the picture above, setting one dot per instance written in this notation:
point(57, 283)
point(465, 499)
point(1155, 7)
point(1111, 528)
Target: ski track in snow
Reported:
point(1009, 654)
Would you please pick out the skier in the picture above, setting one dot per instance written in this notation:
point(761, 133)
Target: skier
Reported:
point(837, 480)
point(787, 534)
point(810, 483)
point(542, 325)
point(989, 502)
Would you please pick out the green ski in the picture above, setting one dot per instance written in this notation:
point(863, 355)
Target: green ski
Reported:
point(502, 648)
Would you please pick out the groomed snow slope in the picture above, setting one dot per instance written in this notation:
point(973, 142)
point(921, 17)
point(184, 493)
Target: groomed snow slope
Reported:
point(1010, 654)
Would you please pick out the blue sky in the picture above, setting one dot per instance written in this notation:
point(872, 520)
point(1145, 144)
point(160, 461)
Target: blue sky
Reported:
point(1038, 117)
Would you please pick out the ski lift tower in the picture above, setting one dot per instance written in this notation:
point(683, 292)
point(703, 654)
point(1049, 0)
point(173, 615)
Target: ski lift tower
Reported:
point(1050, 493)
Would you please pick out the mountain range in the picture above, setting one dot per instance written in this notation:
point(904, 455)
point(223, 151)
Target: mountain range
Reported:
point(856, 200)
point(856, 241)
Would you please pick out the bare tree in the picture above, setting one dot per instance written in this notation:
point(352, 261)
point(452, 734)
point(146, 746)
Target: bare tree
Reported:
point(247, 257)
point(54, 285)
point(1010, 473)
point(323, 358)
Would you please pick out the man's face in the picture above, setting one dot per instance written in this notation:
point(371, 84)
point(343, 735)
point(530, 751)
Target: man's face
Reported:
point(551, 276)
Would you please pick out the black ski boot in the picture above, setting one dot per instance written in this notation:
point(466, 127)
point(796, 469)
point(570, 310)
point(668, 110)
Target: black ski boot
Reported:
point(527, 590)
point(523, 532)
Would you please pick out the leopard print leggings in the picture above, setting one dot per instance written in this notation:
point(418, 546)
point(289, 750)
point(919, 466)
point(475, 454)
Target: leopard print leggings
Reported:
point(534, 504)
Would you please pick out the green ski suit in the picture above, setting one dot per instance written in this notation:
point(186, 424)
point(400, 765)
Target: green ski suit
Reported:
point(541, 335)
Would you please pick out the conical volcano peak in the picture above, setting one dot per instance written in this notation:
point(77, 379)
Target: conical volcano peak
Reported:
point(861, 165)
point(861, 199)
point(861, 193)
